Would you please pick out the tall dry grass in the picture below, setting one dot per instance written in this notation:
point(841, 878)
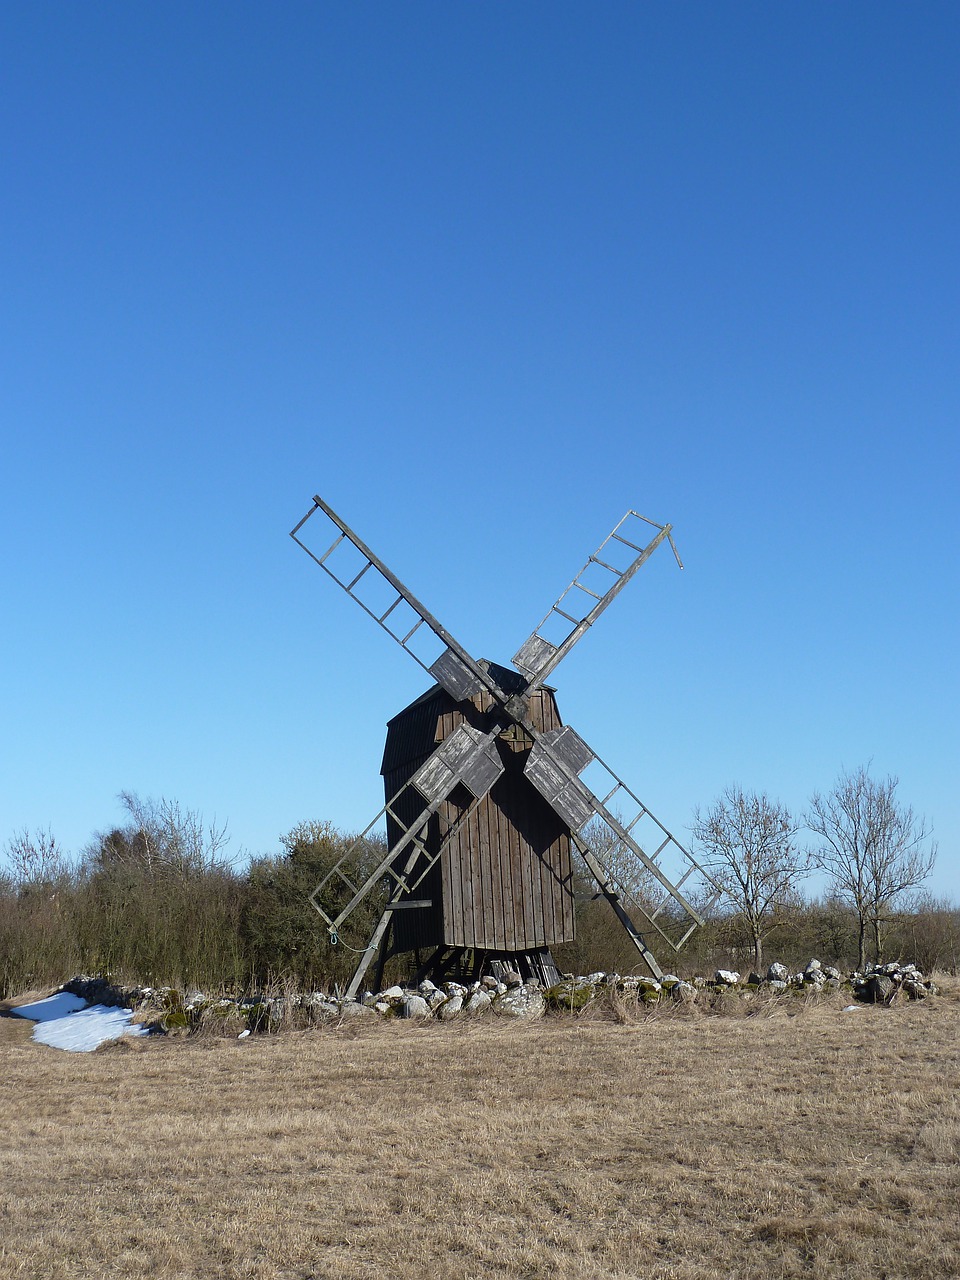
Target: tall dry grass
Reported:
point(803, 1141)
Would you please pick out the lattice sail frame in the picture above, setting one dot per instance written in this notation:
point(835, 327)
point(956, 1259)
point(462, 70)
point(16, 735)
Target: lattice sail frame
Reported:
point(538, 656)
point(468, 757)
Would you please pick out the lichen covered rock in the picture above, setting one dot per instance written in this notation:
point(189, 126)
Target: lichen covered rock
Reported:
point(525, 1001)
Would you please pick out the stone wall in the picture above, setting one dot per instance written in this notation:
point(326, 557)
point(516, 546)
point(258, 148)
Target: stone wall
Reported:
point(168, 1010)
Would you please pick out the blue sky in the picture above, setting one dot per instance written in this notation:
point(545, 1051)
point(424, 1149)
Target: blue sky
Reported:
point(484, 276)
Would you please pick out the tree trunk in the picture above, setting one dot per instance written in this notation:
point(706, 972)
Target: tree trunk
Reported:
point(878, 938)
point(757, 952)
point(862, 942)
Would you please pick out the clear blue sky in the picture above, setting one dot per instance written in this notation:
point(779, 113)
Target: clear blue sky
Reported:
point(484, 276)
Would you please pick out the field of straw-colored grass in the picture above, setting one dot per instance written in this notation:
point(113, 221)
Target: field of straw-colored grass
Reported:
point(803, 1141)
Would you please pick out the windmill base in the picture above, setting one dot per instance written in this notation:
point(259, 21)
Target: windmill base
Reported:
point(462, 964)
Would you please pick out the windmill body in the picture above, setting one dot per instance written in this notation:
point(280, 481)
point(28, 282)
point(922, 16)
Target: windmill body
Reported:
point(503, 881)
point(490, 798)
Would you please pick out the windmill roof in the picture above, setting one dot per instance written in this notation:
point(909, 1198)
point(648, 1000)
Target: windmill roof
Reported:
point(412, 731)
point(509, 680)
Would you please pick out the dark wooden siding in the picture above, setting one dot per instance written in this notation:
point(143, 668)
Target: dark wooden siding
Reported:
point(411, 738)
point(504, 882)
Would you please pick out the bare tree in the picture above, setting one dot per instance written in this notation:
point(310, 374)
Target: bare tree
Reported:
point(621, 862)
point(36, 858)
point(873, 849)
point(162, 839)
point(747, 844)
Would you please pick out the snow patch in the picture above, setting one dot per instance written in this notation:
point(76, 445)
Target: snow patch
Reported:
point(65, 1021)
point(57, 1006)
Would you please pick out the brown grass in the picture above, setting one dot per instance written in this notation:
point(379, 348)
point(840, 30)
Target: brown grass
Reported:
point(816, 1143)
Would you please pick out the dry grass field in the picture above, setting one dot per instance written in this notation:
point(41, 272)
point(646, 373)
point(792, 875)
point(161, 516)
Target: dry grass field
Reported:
point(811, 1143)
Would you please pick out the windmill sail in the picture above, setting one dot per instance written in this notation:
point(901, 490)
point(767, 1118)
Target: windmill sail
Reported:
point(468, 758)
point(554, 767)
point(598, 583)
point(394, 607)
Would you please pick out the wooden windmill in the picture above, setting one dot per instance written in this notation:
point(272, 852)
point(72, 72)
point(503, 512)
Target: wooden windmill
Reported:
point(489, 796)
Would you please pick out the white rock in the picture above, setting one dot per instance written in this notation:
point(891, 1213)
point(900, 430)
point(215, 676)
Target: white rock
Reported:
point(727, 977)
point(451, 1009)
point(415, 1007)
point(323, 1008)
point(477, 1002)
point(520, 1002)
point(351, 1009)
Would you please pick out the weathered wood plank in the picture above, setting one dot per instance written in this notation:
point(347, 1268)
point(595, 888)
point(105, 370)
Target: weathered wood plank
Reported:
point(489, 923)
point(503, 882)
